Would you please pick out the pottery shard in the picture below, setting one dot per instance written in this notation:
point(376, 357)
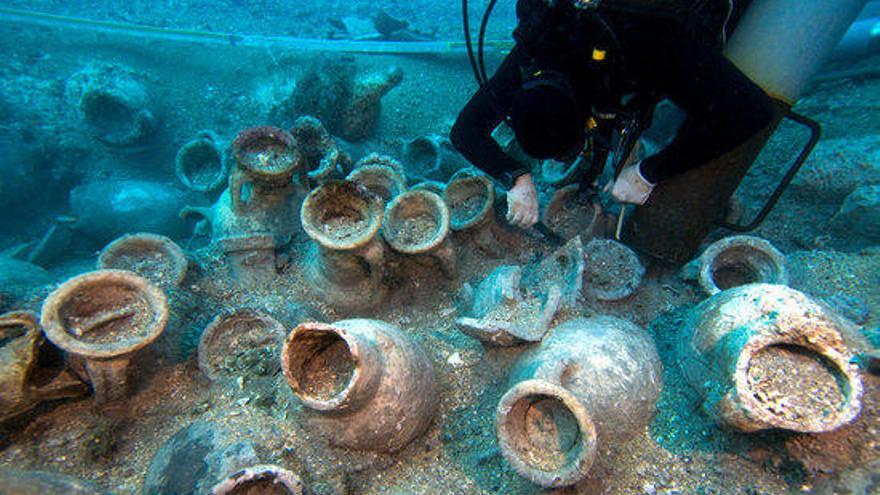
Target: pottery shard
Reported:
point(15, 482)
point(106, 210)
point(196, 458)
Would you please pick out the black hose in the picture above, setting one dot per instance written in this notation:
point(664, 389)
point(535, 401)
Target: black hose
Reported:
point(467, 41)
point(482, 40)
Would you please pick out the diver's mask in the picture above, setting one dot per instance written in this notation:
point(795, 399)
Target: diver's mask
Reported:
point(586, 4)
point(578, 4)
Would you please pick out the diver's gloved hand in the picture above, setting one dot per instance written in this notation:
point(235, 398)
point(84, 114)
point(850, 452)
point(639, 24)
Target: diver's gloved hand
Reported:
point(522, 202)
point(631, 186)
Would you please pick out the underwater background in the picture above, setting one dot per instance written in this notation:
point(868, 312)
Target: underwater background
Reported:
point(121, 118)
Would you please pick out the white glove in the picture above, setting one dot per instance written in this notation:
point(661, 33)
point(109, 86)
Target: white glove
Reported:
point(631, 186)
point(522, 202)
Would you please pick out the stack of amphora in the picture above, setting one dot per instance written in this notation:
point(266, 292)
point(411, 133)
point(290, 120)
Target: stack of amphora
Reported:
point(345, 264)
point(416, 223)
point(256, 214)
point(767, 356)
point(589, 382)
point(471, 200)
point(369, 384)
point(102, 318)
point(761, 354)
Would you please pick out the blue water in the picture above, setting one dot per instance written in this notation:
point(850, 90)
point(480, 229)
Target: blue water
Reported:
point(120, 118)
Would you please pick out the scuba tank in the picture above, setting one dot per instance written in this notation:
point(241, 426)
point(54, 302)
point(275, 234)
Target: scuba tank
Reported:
point(779, 48)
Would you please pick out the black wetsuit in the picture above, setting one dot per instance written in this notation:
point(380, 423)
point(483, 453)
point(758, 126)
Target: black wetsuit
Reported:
point(656, 55)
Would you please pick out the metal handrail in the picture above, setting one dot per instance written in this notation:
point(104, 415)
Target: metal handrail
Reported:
point(815, 133)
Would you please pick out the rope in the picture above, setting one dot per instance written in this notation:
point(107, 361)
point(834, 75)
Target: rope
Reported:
point(196, 36)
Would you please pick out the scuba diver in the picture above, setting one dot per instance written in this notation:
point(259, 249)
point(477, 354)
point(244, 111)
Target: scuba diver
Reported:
point(578, 67)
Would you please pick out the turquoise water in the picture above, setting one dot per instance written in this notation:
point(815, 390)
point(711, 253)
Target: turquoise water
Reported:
point(125, 118)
